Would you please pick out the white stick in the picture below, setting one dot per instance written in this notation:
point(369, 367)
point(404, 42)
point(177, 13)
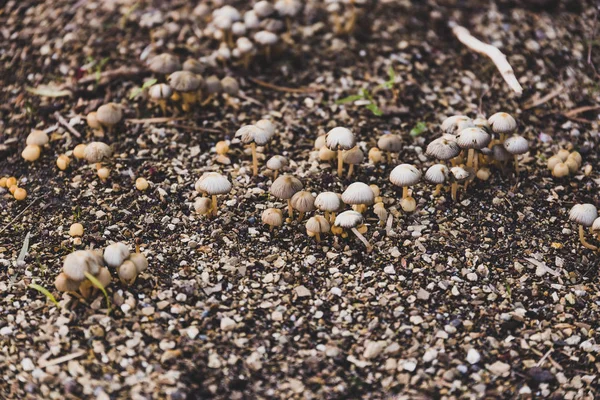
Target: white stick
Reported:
point(492, 52)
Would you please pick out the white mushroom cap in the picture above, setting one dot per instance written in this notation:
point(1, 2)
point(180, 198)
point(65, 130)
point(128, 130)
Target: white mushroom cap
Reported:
point(37, 137)
point(358, 193)
point(405, 175)
point(213, 183)
point(596, 225)
point(317, 224)
point(115, 254)
point(516, 145)
point(502, 122)
point(251, 20)
point(389, 142)
point(267, 126)
point(437, 174)
point(303, 201)
point(455, 123)
point(160, 91)
point(328, 201)
point(263, 8)
point(583, 214)
point(140, 261)
point(95, 152)
point(473, 138)
point(275, 163)
point(288, 7)
point(164, 64)
point(320, 142)
point(252, 133)
point(224, 52)
point(459, 173)
point(244, 45)
point(481, 123)
point(265, 38)
point(79, 262)
point(227, 11)
point(238, 28)
point(109, 114)
point(443, 148)
point(349, 219)
point(340, 137)
point(202, 205)
point(272, 217)
point(285, 187)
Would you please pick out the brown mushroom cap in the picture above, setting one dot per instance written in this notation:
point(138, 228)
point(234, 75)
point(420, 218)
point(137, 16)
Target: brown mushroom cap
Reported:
point(317, 224)
point(164, 64)
point(230, 86)
point(192, 65)
point(285, 187)
point(109, 114)
point(272, 217)
point(127, 271)
point(303, 201)
point(353, 156)
point(213, 85)
point(64, 284)
point(391, 143)
point(140, 261)
point(184, 81)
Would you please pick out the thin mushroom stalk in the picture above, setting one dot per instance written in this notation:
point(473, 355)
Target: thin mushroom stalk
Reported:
point(214, 205)
point(404, 192)
point(340, 163)
point(290, 209)
point(318, 237)
point(438, 189)
point(300, 216)
point(254, 159)
point(363, 239)
point(163, 106)
point(583, 241)
point(454, 190)
point(188, 99)
point(350, 171)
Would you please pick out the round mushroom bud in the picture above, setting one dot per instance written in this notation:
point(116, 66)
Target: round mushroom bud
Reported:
point(127, 272)
point(284, 188)
point(213, 85)
point(456, 123)
point(473, 139)
point(326, 155)
point(381, 212)
point(31, 152)
point(277, 163)
point(203, 205)
point(552, 161)
point(104, 277)
point(140, 261)
point(109, 115)
point(185, 83)
point(596, 227)
point(317, 225)
point(263, 8)
point(222, 147)
point(266, 39)
point(213, 184)
point(79, 262)
point(253, 135)
point(328, 202)
point(375, 155)
point(353, 157)
point(37, 138)
point(230, 86)
point(62, 162)
point(359, 195)
point(405, 175)
point(115, 254)
point(103, 173)
point(95, 152)
point(339, 139)
point(141, 184)
point(459, 174)
point(160, 93)
point(76, 230)
point(64, 284)
point(584, 215)
point(19, 194)
point(560, 170)
point(438, 175)
point(251, 20)
point(272, 217)
point(352, 220)
point(164, 64)
point(320, 142)
point(390, 144)
point(444, 148)
point(576, 157)
point(79, 151)
point(516, 145)
point(245, 47)
point(572, 165)
point(194, 66)
point(502, 123)
point(238, 29)
point(303, 202)
point(288, 8)
point(92, 121)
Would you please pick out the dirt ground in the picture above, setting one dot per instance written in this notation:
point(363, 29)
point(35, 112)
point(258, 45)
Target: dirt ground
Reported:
point(491, 296)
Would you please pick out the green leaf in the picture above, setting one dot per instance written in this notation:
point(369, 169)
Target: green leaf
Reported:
point(391, 74)
point(374, 109)
point(24, 248)
point(419, 128)
point(135, 93)
point(350, 99)
point(97, 283)
point(149, 83)
point(45, 292)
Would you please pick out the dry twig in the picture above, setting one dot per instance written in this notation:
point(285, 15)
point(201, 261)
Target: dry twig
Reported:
point(64, 123)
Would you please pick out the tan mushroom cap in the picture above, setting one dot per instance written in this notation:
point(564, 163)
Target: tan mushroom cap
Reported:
point(230, 85)
point(192, 65)
point(115, 254)
point(328, 201)
point(213, 183)
point(340, 137)
point(164, 64)
point(437, 174)
point(358, 193)
point(405, 175)
point(583, 214)
point(213, 85)
point(285, 187)
point(353, 156)
point(459, 173)
point(456, 123)
point(317, 224)
point(502, 123)
point(275, 163)
point(64, 284)
point(109, 114)
point(140, 261)
point(79, 262)
point(95, 152)
point(596, 225)
point(160, 91)
point(349, 219)
point(184, 81)
point(104, 276)
point(443, 148)
point(37, 137)
point(272, 217)
point(127, 271)
point(252, 133)
point(473, 138)
point(202, 205)
point(390, 142)
point(516, 145)
point(303, 201)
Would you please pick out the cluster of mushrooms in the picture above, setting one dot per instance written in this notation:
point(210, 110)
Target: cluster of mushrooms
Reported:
point(565, 163)
point(586, 216)
point(12, 185)
point(79, 265)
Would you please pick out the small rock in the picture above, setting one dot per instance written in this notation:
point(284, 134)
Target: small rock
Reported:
point(373, 349)
point(473, 356)
point(227, 324)
point(498, 368)
point(302, 291)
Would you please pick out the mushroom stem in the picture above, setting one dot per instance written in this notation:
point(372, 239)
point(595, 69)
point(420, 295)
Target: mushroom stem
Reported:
point(214, 205)
point(332, 218)
point(246, 60)
point(275, 175)
point(327, 215)
point(517, 165)
point(254, 159)
point(362, 239)
point(340, 163)
point(502, 137)
point(454, 190)
point(270, 228)
point(318, 236)
point(350, 170)
point(300, 216)
point(188, 99)
point(470, 157)
point(207, 100)
point(583, 241)
point(290, 209)
point(389, 157)
point(268, 53)
point(163, 106)
point(438, 188)
point(404, 192)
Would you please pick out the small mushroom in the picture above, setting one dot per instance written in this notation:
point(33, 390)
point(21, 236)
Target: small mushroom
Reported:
point(276, 163)
point(473, 139)
point(502, 123)
point(263, 8)
point(288, 9)
point(317, 225)
point(456, 123)
point(109, 115)
point(459, 174)
point(186, 84)
point(203, 205)
point(444, 148)
point(437, 174)
point(267, 40)
point(251, 20)
point(328, 202)
point(79, 151)
point(62, 162)
point(351, 220)
point(596, 228)
point(381, 212)
point(339, 139)
point(303, 202)
point(19, 194)
point(253, 135)
point(246, 48)
point(31, 152)
point(375, 155)
point(390, 144)
point(64, 284)
point(584, 215)
point(359, 195)
point(160, 93)
point(76, 230)
point(115, 254)
point(516, 145)
point(95, 152)
point(405, 175)
point(79, 262)
point(164, 64)
point(272, 217)
point(141, 184)
point(192, 65)
point(284, 188)
point(353, 157)
point(140, 261)
point(37, 138)
point(127, 272)
point(230, 86)
point(560, 170)
point(213, 184)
